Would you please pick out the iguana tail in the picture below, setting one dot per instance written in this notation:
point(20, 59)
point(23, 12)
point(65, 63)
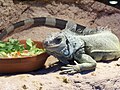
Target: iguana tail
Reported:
point(34, 22)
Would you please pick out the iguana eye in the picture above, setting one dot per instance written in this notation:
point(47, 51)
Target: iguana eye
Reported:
point(57, 40)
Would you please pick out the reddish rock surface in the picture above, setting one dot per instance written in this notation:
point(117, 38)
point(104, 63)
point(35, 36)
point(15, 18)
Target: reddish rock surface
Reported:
point(85, 12)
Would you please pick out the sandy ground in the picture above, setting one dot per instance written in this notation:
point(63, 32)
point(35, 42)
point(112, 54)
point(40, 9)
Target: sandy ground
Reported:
point(85, 12)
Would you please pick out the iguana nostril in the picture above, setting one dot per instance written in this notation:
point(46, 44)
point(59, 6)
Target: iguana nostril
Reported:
point(45, 43)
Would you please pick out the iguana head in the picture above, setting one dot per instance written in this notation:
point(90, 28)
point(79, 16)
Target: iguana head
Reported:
point(58, 44)
point(63, 44)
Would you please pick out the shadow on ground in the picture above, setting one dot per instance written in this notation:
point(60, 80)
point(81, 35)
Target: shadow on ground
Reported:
point(52, 69)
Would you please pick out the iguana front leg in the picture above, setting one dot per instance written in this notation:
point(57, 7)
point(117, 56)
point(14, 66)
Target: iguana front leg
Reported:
point(86, 62)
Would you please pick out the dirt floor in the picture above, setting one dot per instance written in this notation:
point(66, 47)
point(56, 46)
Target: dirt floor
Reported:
point(85, 12)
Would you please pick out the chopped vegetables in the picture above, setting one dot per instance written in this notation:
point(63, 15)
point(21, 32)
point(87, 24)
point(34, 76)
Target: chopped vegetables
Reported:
point(13, 48)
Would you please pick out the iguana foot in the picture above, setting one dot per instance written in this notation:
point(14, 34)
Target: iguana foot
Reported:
point(70, 69)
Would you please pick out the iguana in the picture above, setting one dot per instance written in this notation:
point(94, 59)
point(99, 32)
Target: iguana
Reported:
point(77, 43)
point(84, 47)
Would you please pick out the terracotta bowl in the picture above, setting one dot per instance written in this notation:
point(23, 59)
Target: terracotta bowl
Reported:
point(23, 64)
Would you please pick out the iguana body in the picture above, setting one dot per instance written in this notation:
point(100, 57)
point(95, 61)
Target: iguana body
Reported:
point(84, 48)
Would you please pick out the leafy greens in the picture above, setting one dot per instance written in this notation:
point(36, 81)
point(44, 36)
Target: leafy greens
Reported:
point(13, 48)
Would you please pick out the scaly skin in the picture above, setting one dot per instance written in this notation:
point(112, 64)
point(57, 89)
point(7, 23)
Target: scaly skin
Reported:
point(84, 48)
point(35, 22)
